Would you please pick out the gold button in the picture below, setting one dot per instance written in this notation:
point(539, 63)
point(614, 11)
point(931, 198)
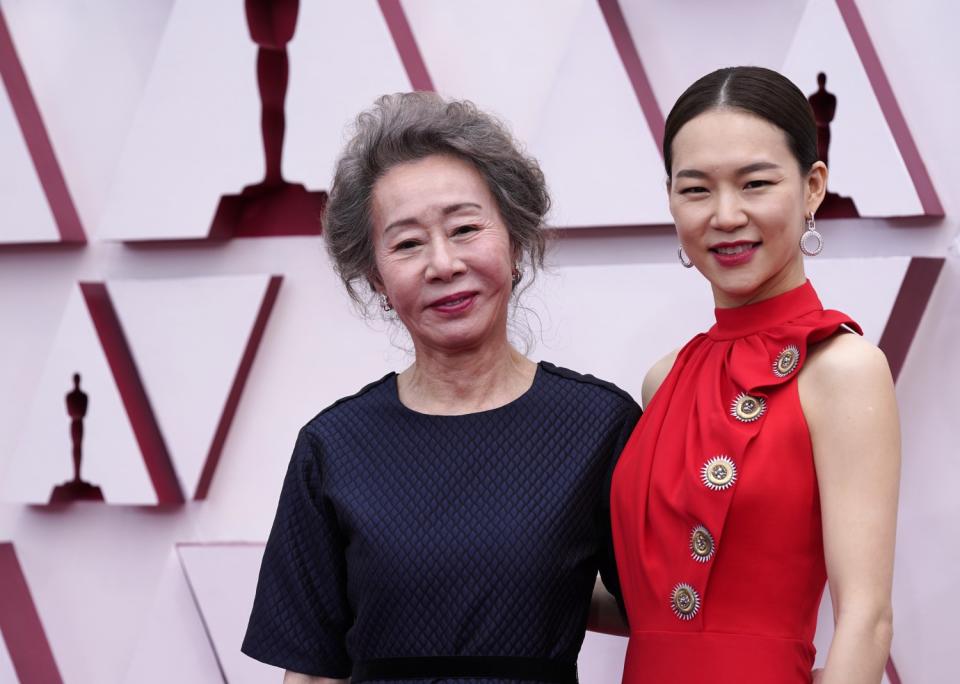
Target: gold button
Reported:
point(787, 361)
point(701, 544)
point(685, 601)
point(719, 473)
point(747, 408)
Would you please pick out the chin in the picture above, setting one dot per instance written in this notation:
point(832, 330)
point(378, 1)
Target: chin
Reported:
point(457, 340)
point(739, 287)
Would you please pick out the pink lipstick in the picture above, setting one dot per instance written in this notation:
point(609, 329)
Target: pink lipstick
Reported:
point(455, 303)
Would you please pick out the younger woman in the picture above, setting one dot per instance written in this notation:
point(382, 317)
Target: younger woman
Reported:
point(768, 458)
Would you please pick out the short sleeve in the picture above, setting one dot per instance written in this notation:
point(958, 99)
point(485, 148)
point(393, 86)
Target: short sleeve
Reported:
point(608, 561)
point(300, 612)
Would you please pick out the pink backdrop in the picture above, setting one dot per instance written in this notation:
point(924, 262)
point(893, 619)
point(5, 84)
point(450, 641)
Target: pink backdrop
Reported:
point(123, 124)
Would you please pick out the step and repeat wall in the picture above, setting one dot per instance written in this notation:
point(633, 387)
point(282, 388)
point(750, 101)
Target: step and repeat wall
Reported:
point(169, 318)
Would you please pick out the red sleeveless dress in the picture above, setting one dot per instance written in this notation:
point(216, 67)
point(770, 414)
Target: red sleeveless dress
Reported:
point(715, 507)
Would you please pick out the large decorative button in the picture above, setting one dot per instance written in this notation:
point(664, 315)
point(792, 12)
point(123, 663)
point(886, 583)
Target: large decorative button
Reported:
point(685, 601)
point(701, 544)
point(747, 408)
point(786, 361)
point(719, 473)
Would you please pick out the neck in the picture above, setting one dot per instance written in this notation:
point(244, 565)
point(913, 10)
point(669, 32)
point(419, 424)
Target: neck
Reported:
point(784, 281)
point(445, 382)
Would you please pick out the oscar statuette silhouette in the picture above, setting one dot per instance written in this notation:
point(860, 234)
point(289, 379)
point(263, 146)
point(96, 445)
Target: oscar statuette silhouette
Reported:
point(824, 106)
point(273, 206)
point(76, 489)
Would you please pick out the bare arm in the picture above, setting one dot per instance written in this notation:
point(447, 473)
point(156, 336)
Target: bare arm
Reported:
point(291, 677)
point(604, 613)
point(848, 399)
point(655, 377)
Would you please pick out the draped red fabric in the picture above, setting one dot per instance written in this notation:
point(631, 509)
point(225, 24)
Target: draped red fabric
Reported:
point(715, 507)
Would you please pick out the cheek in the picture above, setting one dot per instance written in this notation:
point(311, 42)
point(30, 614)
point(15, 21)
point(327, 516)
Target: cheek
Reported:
point(382, 261)
point(780, 227)
point(674, 205)
point(384, 270)
point(494, 274)
point(689, 218)
point(496, 257)
point(395, 279)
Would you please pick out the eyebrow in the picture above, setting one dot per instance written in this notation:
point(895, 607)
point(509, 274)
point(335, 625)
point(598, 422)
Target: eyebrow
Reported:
point(742, 171)
point(757, 166)
point(446, 211)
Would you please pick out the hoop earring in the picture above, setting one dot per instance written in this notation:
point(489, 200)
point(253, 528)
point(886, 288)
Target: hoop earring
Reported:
point(385, 303)
point(811, 233)
point(684, 259)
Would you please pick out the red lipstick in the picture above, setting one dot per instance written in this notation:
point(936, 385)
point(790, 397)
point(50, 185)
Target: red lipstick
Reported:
point(731, 254)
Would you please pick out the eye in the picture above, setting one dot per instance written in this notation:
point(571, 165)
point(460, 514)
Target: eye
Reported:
point(693, 190)
point(465, 230)
point(406, 244)
point(751, 185)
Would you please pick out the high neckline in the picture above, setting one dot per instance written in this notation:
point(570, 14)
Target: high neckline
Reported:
point(740, 321)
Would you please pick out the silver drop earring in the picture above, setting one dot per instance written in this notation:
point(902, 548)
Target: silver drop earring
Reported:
point(385, 303)
point(684, 259)
point(811, 233)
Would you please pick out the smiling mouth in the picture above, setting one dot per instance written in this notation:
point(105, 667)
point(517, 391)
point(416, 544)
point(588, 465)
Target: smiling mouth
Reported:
point(453, 300)
point(738, 248)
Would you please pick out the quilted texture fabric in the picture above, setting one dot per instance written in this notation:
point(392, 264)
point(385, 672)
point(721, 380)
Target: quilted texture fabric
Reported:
point(400, 534)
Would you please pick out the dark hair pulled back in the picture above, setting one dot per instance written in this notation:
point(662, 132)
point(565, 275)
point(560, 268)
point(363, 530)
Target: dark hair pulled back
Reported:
point(756, 90)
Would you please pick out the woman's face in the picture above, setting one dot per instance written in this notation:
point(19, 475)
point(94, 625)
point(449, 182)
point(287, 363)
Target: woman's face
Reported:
point(739, 201)
point(443, 253)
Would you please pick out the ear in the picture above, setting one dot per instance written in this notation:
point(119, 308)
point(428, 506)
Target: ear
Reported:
point(516, 250)
point(375, 283)
point(815, 187)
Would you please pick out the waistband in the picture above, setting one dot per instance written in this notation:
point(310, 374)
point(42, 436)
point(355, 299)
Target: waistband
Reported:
point(493, 667)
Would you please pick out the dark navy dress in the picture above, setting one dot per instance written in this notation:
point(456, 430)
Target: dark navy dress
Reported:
point(421, 547)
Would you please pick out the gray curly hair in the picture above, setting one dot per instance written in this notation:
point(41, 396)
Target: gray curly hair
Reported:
point(405, 127)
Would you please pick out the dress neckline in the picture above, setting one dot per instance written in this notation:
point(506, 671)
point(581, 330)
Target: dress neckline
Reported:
point(395, 398)
point(740, 321)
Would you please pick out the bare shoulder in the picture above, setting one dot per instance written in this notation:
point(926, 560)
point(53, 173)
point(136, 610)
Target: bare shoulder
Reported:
point(656, 375)
point(846, 384)
point(842, 360)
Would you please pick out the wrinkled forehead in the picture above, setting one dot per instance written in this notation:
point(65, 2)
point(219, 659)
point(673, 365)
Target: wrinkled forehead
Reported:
point(425, 188)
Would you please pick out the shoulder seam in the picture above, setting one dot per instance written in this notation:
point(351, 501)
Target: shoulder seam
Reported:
point(586, 379)
point(342, 400)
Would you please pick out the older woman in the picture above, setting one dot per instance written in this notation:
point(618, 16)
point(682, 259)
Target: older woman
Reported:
point(444, 523)
point(768, 459)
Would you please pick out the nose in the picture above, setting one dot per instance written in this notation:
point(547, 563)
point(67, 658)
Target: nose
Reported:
point(728, 214)
point(444, 263)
